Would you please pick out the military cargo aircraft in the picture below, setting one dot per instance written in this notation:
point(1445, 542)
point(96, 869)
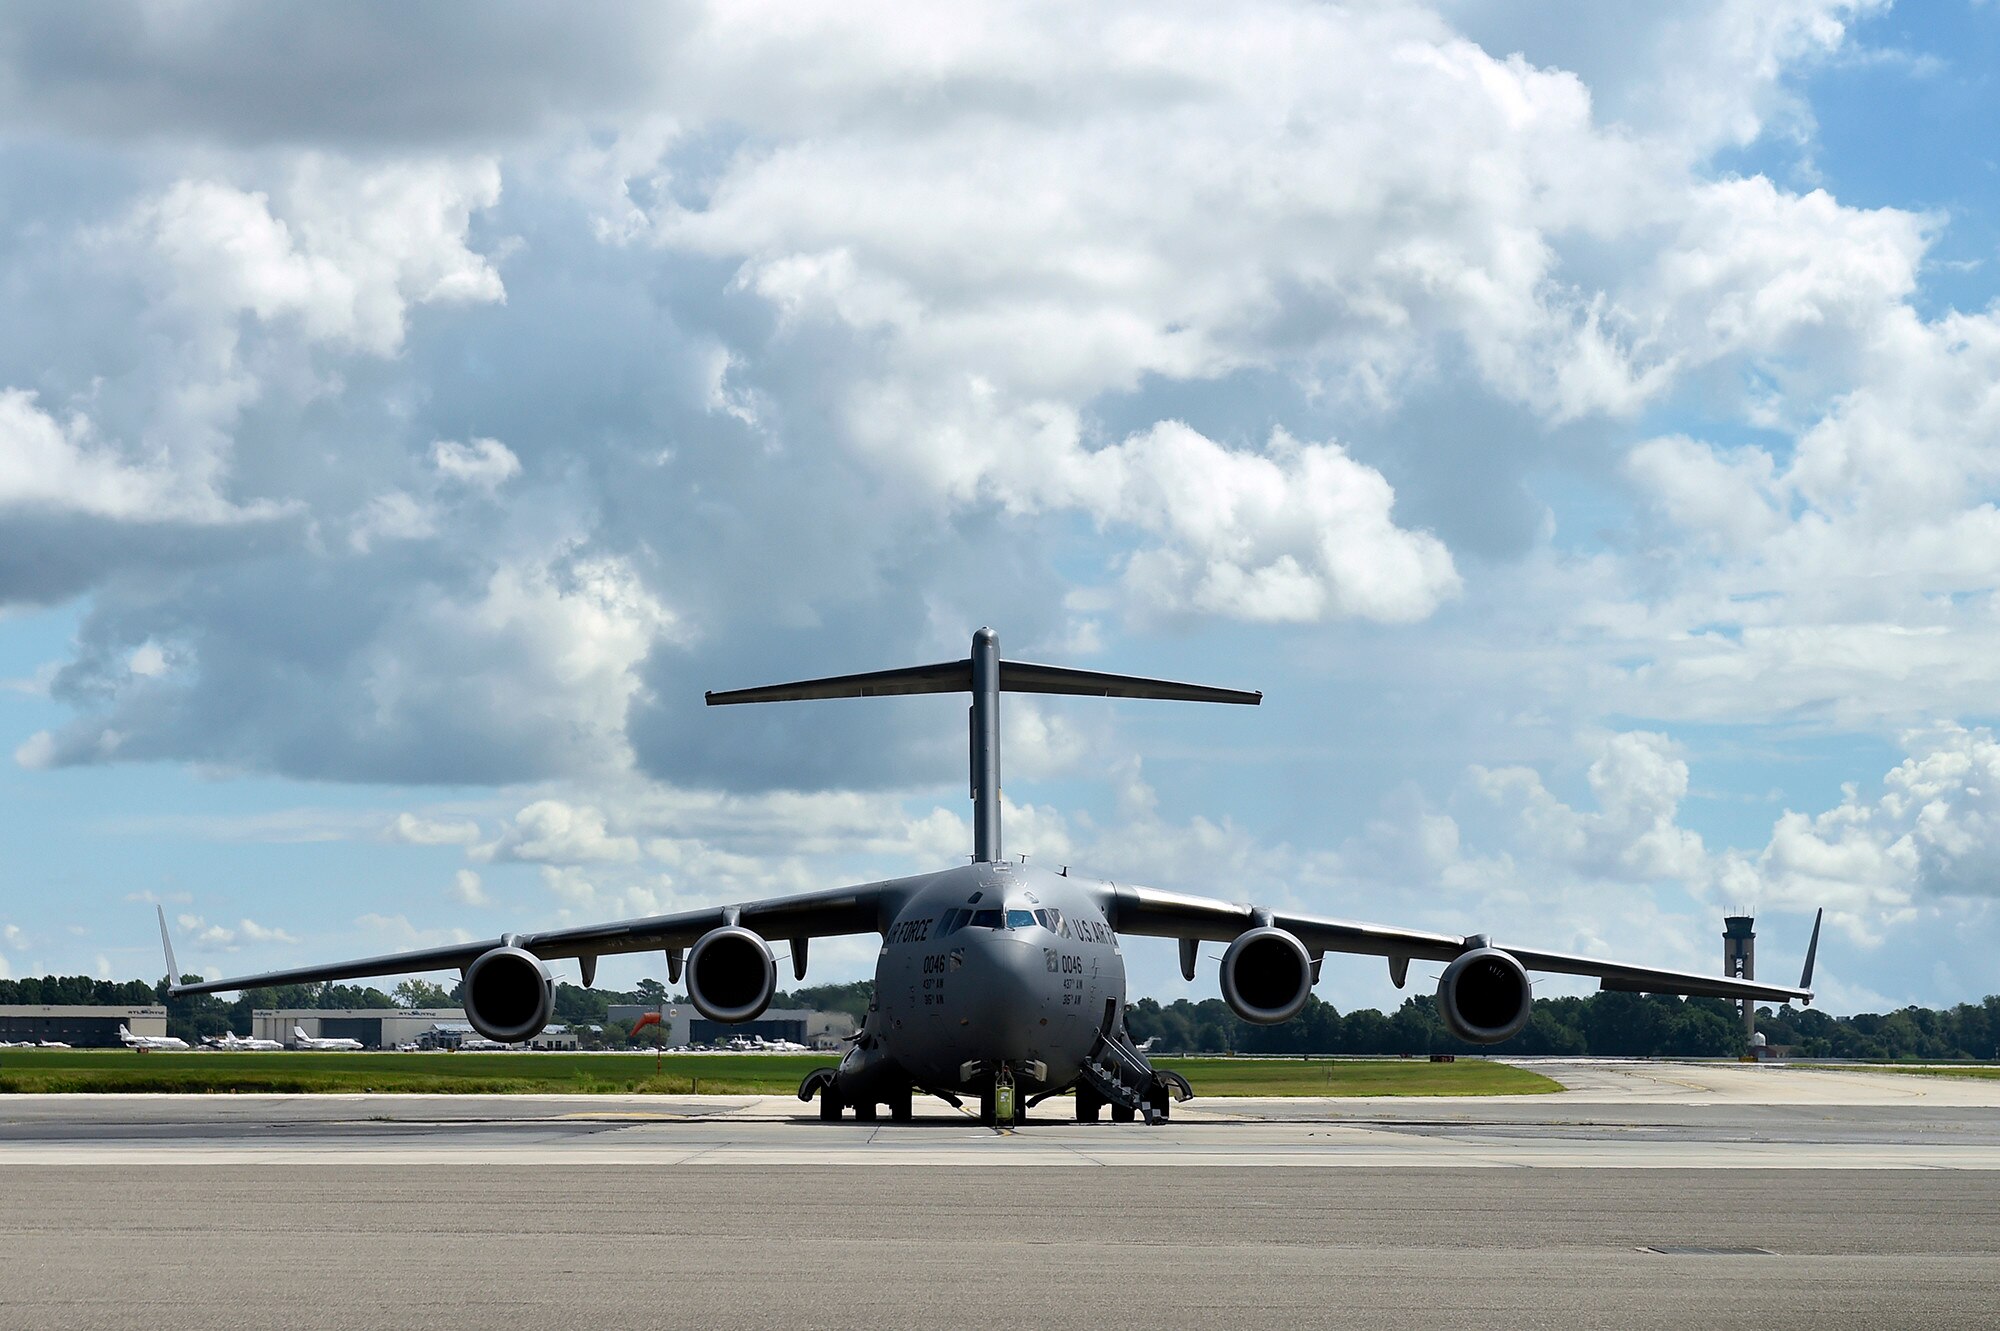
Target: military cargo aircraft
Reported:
point(998, 981)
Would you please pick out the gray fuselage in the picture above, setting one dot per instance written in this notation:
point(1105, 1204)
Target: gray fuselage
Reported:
point(997, 963)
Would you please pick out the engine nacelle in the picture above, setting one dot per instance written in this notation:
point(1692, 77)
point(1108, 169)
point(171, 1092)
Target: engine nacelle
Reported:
point(509, 995)
point(730, 974)
point(1266, 976)
point(1484, 996)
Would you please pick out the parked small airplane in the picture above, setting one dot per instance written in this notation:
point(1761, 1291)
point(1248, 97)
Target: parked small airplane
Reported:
point(779, 1046)
point(143, 1043)
point(231, 1041)
point(300, 1040)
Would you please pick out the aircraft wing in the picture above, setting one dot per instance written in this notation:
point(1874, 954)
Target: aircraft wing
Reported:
point(865, 908)
point(1150, 911)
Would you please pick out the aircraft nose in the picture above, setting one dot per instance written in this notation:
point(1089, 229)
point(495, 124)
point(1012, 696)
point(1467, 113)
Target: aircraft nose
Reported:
point(1003, 979)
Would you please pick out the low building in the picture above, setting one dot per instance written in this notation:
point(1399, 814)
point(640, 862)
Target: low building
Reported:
point(684, 1025)
point(557, 1037)
point(82, 1026)
point(375, 1028)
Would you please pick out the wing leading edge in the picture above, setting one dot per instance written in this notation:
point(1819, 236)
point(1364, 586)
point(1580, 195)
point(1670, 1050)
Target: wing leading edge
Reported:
point(1150, 911)
point(866, 908)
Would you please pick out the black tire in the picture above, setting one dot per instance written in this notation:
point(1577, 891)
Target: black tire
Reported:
point(829, 1106)
point(1087, 1110)
point(864, 1113)
point(900, 1108)
point(1122, 1114)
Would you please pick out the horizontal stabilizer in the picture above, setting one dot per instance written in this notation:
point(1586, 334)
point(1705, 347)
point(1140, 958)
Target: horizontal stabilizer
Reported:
point(956, 677)
point(945, 677)
point(1022, 677)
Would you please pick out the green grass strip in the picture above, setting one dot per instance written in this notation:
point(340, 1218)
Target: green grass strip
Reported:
point(1342, 1077)
point(1981, 1071)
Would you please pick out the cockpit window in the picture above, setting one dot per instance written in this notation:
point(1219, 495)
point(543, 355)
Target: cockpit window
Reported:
point(950, 922)
point(986, 919)
point(1020, 919)
point(1050, 919)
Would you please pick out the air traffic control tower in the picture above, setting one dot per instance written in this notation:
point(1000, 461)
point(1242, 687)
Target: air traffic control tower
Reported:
point(1739, 961)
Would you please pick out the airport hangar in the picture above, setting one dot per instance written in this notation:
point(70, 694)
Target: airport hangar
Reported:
point(82, 1026)
point(377, 1027)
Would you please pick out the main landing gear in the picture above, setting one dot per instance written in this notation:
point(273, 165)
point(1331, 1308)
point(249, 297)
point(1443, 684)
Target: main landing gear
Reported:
point(832, 1102)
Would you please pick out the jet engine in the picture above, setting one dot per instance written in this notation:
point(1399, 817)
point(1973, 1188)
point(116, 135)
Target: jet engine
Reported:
point(1485, 996)
point(730, 974)
point(1266, 976)
point(508, 994)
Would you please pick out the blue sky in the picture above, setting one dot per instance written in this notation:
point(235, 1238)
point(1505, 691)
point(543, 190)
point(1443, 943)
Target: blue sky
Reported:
point(1578, 425)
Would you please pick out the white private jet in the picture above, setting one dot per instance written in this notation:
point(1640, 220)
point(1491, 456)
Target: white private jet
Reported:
point(145, 1043)
point(779, 1046)
point(51, 1044)
point(231, 1041)
point(300, 1040)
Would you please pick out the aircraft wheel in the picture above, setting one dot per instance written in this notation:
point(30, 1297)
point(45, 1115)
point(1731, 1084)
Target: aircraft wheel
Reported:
point(864, 1113)
point(900, 1108)
point(1122, 1114)
point(829, 1106)
point(988, 1115)
point(1089, 1104)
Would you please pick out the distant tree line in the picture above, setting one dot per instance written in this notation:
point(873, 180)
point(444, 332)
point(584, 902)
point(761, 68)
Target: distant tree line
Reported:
point(1612, 1024)
point(1607, 1024)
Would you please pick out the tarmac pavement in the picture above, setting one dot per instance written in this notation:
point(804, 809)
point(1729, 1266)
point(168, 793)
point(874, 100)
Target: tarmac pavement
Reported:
point(1874, 1197)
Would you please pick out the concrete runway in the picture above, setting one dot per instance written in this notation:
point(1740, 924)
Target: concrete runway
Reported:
point(1876, 1196)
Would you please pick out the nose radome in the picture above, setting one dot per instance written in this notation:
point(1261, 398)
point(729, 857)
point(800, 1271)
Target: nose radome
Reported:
point(1005, 974)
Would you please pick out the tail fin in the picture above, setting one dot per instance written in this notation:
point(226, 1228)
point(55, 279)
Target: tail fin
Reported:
point(299, 1033)
point(167, 945)
point(985, 676)
point(1812, 950)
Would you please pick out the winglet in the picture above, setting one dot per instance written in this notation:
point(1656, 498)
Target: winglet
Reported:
point(1812, 950)
point(173, 971)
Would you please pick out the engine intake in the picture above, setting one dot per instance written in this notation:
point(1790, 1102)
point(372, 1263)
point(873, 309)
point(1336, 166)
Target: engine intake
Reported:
point(1266, 976)
point(509, 995)
point(1484, 996)
point(730, 974)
